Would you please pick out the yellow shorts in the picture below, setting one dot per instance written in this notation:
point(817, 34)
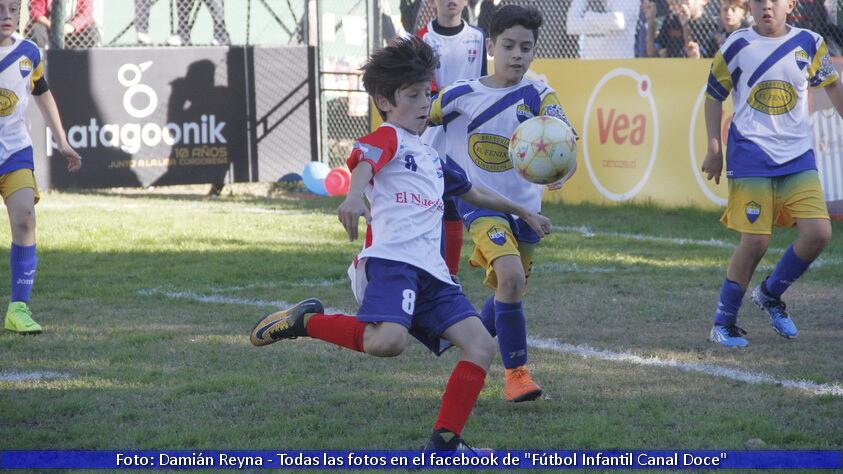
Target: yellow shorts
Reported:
point(493, 238)
point(16, 180)
point(757, 203)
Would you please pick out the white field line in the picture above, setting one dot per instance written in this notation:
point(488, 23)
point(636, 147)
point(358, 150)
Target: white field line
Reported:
point(709, 369)
point(221, 299)
point(321, 283)
point(580, 350)
point(31, 375)
point(588, 233)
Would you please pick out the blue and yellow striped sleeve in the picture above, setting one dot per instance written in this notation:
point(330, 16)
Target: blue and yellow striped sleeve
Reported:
point(821, 71)
point(436, 110)
point(719, 79)
point(551, 107)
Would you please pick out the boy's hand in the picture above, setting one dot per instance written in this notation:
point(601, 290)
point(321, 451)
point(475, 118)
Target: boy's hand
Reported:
point(713, 164)
point(692, 50)
point(539, 223)
point(74, 161)
point(349, 214)
point(649, 9)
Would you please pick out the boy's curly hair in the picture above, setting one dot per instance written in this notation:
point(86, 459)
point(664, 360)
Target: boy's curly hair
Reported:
point(404, 61)
point(510, 15)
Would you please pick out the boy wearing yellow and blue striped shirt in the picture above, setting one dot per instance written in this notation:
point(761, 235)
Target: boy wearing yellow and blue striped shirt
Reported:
point(478, 117)
point(770, 161)
point(22, 75)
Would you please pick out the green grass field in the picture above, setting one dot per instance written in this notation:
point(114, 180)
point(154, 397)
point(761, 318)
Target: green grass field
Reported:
point(147, 302)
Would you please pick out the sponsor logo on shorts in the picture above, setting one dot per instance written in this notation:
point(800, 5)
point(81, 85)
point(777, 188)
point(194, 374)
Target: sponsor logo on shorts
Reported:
point(497, 236)
point(753, 210)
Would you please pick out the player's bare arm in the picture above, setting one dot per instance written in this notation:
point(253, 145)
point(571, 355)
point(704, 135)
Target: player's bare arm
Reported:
point(50, 112)
point(713, 164)
point(835, 94)
point(354, 206)
point(482, 197)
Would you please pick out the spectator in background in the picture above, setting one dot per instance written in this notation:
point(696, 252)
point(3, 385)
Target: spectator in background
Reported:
point(80, 31)
point(607, 27)
point(142, 21)
point(683, 33)
point(185, 7)
point(812, 15)
point(732, 17)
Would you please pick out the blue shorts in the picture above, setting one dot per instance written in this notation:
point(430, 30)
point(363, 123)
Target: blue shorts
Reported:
point(401, 293)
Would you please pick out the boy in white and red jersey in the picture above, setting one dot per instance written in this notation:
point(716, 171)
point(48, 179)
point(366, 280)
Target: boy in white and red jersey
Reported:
point(461, 50)
point(400, 279)
point(771, 165)
point(22, 76)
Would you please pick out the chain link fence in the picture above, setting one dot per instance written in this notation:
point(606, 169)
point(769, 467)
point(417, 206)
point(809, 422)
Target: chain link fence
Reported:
point(350, 29)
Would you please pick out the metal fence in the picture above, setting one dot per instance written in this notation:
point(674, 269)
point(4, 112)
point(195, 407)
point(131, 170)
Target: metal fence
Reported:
point(346, 31)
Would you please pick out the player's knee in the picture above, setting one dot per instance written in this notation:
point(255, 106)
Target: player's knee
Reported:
point(23, 222)
point(821, 237)
point(755, 245)
point(485, 351)
point(387, 345)
point(512, 285)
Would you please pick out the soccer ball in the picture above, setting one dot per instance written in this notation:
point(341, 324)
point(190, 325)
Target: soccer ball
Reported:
point(543, 149)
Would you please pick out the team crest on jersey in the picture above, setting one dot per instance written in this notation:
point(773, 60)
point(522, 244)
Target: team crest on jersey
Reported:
point(472, 50)
point(8, 101)
point(369, 152)
point(753, 210)
point(802, 58)
point(523, 112)
point(497, 236)
point(25, 67)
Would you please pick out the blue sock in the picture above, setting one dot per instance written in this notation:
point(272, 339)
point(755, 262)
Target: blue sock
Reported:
point(487, 316)
point(22, 261)
point(731, 297)
point(787, 271)
point(512, 333)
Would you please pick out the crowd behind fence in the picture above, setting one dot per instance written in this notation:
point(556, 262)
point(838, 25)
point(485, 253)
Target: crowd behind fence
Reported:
point(590, 29)
point(349, 29)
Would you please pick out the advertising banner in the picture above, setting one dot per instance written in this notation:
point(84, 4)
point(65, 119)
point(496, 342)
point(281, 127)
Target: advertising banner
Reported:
point(143, 116)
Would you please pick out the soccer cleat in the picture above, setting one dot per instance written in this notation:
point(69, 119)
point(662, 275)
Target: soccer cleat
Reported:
point(777, 311)
point(285, 324)
point(445, 441)
point(519, 386)
point(729, 336)
point(19, 319)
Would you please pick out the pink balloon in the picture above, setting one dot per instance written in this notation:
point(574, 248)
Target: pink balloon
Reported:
point(337, 182)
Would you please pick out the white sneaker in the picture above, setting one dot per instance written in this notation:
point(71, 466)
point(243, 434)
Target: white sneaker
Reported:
point(174, 40)
point(144, 39)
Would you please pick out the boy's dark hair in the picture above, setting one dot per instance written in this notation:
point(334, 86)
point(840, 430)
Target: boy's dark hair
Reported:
point(510, 15)
point(404, 61)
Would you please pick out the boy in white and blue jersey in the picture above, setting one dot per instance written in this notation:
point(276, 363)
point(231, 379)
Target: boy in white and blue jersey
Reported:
point(461, 54)
point(479, 117)
point(771, 165)
point(399, 279)
point(22, 75)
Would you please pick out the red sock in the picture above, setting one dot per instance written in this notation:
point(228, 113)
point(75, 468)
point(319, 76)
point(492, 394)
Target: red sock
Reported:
point(453, 245)
point(460, 396)
point(340, 329)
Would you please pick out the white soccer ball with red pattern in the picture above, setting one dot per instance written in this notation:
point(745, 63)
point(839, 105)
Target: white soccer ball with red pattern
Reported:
point(543, 149)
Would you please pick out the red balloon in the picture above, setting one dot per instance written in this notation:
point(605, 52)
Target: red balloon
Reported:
point(337, 182)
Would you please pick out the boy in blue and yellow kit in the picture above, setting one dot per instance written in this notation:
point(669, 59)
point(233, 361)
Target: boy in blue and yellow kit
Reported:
point(771, 166)
point(22, 75)
point(479, 116)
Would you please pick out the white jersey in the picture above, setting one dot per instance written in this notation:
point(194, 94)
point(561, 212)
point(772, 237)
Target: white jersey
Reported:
point(769, 79)
point(405, 195)
point(479, 121)
point(20, 67)
point(461, 56)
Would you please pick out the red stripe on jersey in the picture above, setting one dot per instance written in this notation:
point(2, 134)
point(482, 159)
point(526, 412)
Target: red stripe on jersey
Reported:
point(377, 148)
